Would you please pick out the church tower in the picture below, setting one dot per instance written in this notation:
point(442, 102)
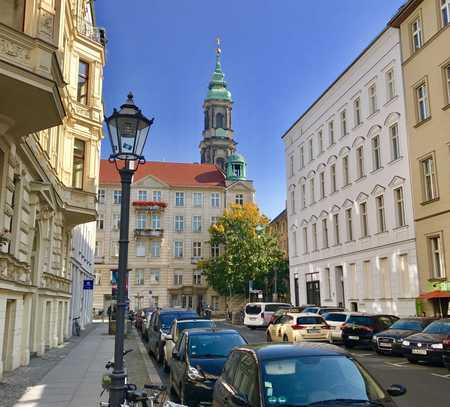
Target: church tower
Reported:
point(217, 144)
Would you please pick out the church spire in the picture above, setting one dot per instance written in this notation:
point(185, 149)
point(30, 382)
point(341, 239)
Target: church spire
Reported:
point(218, 86)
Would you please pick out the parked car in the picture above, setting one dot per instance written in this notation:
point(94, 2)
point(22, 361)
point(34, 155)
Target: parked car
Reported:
point(308, 328)
point(336, 321)
point(428, 345)
point(298, 375)
point(446, 355)
point(276, 331)
point(178, 326)
point(282, 311)
point(140, 318)
point(197, 362)
point(390, 340)
point(360, 327)
point(159, 327)
point(258, 314)
point(322, 310)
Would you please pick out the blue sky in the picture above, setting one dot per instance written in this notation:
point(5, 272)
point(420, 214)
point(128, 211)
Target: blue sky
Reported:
point(278, 56)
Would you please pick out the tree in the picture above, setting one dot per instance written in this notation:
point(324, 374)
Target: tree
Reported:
point(249, 252)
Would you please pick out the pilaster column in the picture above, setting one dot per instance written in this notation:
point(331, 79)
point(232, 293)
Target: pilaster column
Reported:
point(17, 334)
point(2, 330)
point(26, 330)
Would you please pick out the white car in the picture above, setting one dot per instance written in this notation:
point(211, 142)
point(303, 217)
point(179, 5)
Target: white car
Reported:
point(178, 326)
point(308, 327)
point(336, 320)
point(259, 314)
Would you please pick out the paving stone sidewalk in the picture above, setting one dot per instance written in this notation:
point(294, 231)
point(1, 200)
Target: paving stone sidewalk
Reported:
point(71, 376)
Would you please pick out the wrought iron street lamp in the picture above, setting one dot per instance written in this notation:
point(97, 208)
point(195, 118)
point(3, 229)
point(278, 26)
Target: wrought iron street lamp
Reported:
point(128, 129)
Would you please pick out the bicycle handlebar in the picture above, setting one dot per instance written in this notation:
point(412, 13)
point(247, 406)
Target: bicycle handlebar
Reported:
point(158, 387)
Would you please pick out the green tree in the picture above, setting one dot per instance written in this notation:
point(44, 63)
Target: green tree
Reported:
point(249, 252)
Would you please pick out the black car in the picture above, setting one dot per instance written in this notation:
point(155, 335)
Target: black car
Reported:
point(302, 374)
point(360, 328)
point(428, 346)
point(198, 360)
point(160, 323)
point(446, 355)
point(390, 340)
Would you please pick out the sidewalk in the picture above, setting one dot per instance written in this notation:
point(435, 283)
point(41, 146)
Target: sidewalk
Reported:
point(76, 380)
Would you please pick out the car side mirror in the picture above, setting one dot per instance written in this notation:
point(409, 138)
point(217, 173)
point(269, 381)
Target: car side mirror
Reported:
point(396, 390)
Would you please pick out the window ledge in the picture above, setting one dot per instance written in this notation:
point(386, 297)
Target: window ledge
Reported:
point(361, 178)
point(391, 100)
point(367, 299)
point(364, 238)
point(376, 171)
point(334, 192)
point(373, 114)
point(347, 185)
point(350, 241)
point(446, 107)
point(400, 227)
point(357, 126)
point(423, 203)
point(332, 144)
point(384, 232)
point(337, 245)
point(418, 124)
point(437, 279)
point(395, 160)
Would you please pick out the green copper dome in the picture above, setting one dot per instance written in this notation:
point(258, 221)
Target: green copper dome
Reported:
point(217, 86)
point(236, 167)
point(236, 158)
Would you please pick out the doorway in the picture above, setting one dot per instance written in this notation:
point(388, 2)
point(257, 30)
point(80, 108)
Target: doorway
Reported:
point(313, 288)
point(340, 292)
point(8, 337)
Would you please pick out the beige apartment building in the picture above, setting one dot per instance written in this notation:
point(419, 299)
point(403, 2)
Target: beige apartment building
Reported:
point(425, 41)
point(279, 227)
point(51, 62)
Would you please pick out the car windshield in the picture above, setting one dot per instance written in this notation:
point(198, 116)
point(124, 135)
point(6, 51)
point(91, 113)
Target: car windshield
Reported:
point(168, 318)
point(194, 324)
point(438, 327)
point(360, 320)
point(325, 310)
point(335, 317)
point(213, 345)
point(305, 380)
point(408, 325)
point(275, 307)
point(311, 309)
point(253, 309)
point(309, 320)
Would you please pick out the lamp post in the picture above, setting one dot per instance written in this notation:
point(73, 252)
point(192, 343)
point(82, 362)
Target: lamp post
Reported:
point(128, 129)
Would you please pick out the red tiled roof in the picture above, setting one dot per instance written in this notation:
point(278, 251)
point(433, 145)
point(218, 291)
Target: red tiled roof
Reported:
point(173, 174)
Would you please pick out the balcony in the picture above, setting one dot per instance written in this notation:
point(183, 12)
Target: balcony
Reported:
point(195, 260)
point(153, 206)
point(88, 30)
point(30, 79)
point(55, 283)
point(153, 233)
point(99, 259)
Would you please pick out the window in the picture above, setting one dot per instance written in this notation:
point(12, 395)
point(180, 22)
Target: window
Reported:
point(179, 223)
point(214, 220)
point(416, 34)
point(98, 249)
point(302, 157)
point(320, 141)
point(367, 279)
point(337, 237)
point(303, 195)
point(353, 280)
point(357, 111)
point(178, 278)
point(376, 152)
point(219, 121)
point(322, 184)
point(215, 200)
point(311, 149)
point(294, 242)
point(155, 276)
point(447, 79)
point(305, 240)
point(139, 277)
point(156, 222)
point(83, 82)
point(390, 85)
point(364, 222)
point(101, 195)
point(116, 221)
point(78, 163)
point(399, 207)
point(331, 133)
point(372, 99)
point(422, 102)
point(13, 13)
point(178, 248)
point(140, 248)
point(179, 198)
point(343, 123)
point(345, 170)
point(324, 233)
point(360, 161)
point(156, 248)
point(215, 250)
point(197, 199)
point(327, 283)
point(429, 179)
point(381, 219)
point(312, 194)
point(197, 249)
point(293, 201)
point(333, 178)
point(197, 277)
point(405, 280)
point(100, 221)
point(385, 278)
point(349, 222)
point(197, 224)
point(140, 221)
point(142, 195)
point(314, 236)
point(117, 197)
point(395, 142)
point(291, 165)
point(239, 199)
point(115, 249)
point(445, 12)
point(437, 256)
point(157, 196)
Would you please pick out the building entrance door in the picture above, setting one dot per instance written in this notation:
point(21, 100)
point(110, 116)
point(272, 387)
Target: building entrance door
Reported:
point(8, 338)
point(340, 292)
point(313, 288)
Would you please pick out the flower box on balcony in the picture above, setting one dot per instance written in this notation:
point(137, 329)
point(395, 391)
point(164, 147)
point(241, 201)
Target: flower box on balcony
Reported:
point(148, 232)
point(150, 205)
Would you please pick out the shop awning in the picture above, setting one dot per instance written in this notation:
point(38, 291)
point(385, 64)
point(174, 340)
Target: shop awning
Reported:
point(434, 294)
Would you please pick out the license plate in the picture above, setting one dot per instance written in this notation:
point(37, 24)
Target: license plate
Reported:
point(313, 331)
point(354, 338)
point(385, 345)
point(253, 318)
point(419, 351)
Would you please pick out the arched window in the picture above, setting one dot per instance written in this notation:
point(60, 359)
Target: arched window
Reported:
point(206, 120)
point(220, 162)
point(220, 121)
point(237, 170)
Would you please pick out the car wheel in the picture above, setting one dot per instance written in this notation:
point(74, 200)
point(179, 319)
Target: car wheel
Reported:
point(413, 361)
point(252, 327)
point(268, 337)
point(349, 345)
point(285, 338)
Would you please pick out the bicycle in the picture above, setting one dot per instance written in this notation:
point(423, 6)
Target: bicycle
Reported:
point(76, 328)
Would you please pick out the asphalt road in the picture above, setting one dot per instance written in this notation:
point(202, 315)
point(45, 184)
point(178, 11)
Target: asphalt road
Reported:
point(427, 386)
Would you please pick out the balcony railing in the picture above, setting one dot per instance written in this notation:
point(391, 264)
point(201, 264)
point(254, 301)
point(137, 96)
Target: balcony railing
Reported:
point(95, 34)
point(154, 206)
point(148, 232)
point(99, 259)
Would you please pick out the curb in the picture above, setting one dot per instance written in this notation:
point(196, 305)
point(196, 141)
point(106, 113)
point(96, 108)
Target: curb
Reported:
point(149, 365)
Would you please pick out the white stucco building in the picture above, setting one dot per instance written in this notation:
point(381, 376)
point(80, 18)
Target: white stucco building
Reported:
point(350, 220)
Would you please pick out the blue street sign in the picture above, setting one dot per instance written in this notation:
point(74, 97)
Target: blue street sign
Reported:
point(88, 284)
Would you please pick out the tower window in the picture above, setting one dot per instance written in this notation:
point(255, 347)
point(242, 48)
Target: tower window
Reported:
point(206, 120)
point(220, 121)
point(236, 170)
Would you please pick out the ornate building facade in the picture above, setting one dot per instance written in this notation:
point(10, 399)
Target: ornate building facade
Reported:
point(51, 63)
